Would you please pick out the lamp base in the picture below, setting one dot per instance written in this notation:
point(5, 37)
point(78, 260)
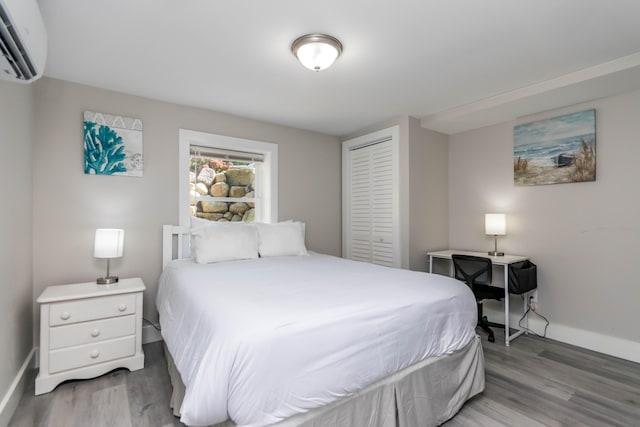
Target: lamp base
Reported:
point(494, 253)
point(110, 280)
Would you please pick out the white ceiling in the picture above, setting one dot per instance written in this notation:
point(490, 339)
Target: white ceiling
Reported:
point(455, 64)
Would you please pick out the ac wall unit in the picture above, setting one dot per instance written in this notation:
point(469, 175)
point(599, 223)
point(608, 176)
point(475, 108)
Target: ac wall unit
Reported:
point(23, 41)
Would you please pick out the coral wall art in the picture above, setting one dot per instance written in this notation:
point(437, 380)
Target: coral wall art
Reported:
point(112, 145)
point(557, 150)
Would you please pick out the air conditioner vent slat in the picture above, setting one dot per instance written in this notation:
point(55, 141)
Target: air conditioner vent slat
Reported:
point(22, 40)
point(7, 64)
point(15, 51)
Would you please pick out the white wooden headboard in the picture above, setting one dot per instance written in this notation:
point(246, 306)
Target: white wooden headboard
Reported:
point(182, 249)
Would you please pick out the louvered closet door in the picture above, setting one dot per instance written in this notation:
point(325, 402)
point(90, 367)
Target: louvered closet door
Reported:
point(360, 220)
point(371, 204)
point(382, 203)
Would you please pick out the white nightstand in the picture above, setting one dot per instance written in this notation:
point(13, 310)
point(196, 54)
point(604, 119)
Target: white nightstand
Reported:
point(87, 330)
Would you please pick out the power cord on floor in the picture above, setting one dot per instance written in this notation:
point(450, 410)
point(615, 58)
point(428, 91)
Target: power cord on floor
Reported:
point(531, 331)
point(156, 327)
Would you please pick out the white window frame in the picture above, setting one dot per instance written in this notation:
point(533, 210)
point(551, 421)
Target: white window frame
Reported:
point(268, 194)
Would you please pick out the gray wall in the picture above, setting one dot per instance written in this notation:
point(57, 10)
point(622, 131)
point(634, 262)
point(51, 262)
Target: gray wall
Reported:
point(583, 236)
point(69, 205)
point(428, 193)
point(16, 121)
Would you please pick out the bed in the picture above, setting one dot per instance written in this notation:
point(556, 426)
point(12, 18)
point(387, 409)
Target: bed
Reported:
point(314, 340)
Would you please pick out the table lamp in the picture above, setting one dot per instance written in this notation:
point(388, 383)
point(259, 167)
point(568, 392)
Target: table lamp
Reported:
point(495, 224)
point(109, 244)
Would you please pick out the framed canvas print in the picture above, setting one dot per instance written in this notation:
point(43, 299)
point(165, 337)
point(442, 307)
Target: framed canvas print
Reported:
point(112, 145)
point(556, 150)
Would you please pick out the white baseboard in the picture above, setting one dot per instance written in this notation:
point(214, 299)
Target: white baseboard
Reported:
point(150, 334)
point(11, 399)
point(613, 346)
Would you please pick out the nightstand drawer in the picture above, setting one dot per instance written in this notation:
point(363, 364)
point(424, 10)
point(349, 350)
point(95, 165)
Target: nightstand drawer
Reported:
point(91, 354)
point(91, 309)
point(88, 332)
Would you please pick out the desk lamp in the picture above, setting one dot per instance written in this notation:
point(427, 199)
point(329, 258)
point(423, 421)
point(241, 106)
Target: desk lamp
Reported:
point(495, 225)
point(109, 244)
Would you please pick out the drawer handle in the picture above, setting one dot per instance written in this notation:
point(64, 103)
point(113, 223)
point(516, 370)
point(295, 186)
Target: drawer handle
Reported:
point(95, 333)
point(65, 315)
point(94, 354)
point(122, 307)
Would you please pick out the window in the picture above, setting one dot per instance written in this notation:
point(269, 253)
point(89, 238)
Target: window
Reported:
point(227, 179)
point(223, 184)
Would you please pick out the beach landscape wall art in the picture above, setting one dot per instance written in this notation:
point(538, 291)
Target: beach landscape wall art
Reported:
point(556, 150)
point(112, 145)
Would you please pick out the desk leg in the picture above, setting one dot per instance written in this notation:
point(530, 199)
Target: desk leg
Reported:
point(506, 305)
point(430, 264)
point(524, 313)
point(508, 337)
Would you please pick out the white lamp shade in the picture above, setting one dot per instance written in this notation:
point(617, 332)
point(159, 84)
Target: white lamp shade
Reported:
point(109, 243)
point(495, 224)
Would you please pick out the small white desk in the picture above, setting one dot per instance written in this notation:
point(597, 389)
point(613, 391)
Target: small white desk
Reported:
point(503, 261)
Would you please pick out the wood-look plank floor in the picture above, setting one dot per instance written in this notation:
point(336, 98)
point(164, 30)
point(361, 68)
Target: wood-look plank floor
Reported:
point(538, 382)
point(534, 382)
point(117, 399)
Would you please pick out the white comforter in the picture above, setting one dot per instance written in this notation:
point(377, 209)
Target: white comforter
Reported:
point(260, 340)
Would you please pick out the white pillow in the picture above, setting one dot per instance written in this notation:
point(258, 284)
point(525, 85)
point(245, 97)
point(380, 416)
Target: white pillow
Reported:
point(226, 241)
point(281, 239)
point(303, 226)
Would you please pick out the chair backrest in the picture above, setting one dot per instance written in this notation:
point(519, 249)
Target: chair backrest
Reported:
point(473, 270)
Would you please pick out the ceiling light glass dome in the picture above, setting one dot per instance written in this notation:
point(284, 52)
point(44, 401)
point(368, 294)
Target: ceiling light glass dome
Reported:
point(316, 51)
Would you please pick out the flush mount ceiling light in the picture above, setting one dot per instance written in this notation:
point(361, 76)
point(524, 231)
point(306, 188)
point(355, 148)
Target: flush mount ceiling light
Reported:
point(316, 51)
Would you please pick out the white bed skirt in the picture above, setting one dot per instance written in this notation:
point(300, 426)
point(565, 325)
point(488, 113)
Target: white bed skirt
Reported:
point(425, 394)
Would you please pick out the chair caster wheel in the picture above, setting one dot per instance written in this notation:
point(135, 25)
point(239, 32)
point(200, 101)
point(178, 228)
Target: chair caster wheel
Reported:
point(491, 338)
point(484, 319)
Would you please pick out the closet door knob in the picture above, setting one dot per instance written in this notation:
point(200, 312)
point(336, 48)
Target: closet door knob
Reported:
point(122, 307)
point(65, 315)
point(95, 333)
point(94, 354)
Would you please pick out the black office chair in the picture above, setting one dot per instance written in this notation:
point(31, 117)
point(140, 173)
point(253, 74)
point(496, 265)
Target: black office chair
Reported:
point(476, 272)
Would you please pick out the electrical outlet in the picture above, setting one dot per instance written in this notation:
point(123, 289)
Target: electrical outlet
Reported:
point(533, 303)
